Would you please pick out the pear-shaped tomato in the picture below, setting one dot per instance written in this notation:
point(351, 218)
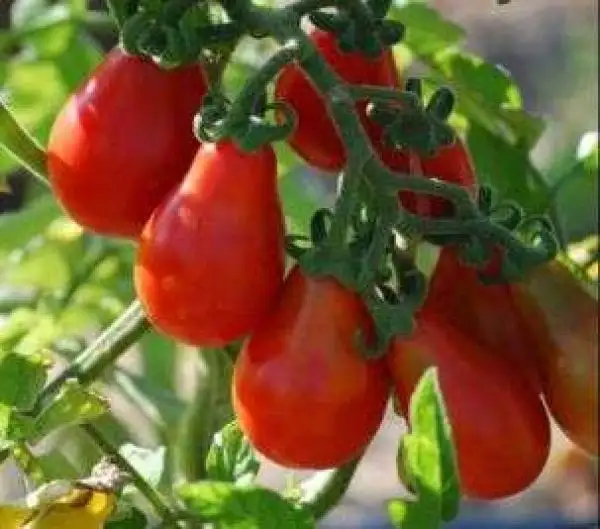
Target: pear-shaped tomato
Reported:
point(123, 140)
point(500, 428)
point(563, 319)
point(489, 314)
point(210, 263)
point(315, 138)
point(302, 392)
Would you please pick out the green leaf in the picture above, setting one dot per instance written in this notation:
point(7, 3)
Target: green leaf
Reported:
point(22, 378)
point(231, 457)
point(73, 405)
point(243, 507)
point(13, 426)
point(507, 168)
point(429, 421)
point(426, 462)
point(575, 192)
point(150, 463)
point(428, 33)
point(19, 144)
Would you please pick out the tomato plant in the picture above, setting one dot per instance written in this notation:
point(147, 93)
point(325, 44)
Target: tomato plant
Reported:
point(122, 141)
point(489, 314)
point(177, 223)
point(301, 390)
point(191, 262)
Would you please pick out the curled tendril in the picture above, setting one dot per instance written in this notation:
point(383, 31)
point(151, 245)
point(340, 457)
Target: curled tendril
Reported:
point(209, 123)
point(539, 232)
point(508, 214)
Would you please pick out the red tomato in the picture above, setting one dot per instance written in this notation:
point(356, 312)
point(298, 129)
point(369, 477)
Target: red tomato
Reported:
point(302, 392)
point(563, 320)
point(210, 263)
point(123, 140)
point(490, 315)
point(451, 163)
point(315, 138)
point(500, 427)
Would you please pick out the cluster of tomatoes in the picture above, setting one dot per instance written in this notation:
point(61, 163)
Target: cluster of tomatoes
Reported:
point(210, 269)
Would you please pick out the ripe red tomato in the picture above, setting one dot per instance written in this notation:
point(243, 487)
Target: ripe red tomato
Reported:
point(123, 140)
point(563, 320)
point(451, 163)
point(315, 138)
point(210, 262)
point(500, 428)
point(489, 314)
point(302, 392)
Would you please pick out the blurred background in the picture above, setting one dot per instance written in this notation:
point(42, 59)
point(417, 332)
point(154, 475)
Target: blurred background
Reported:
point(548, 46)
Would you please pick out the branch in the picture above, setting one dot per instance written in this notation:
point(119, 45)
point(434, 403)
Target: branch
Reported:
point(105, 350)
point(160, 505)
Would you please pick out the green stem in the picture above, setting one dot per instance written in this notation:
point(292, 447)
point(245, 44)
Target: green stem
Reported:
point(154, 498)
point(332, 490)
point(209, 411)
point(256, 85)
point(103, 352)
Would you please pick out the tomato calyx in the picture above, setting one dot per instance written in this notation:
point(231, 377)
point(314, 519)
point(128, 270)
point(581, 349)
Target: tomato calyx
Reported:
point(413, 125)
point(361, 28)
point(248, 120)
point(171, 33)
point(369, 261)
point(504, 261)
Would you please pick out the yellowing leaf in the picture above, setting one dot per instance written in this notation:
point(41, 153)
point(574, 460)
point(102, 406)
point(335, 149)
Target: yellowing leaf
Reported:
point(82, 509)
point(12, 517)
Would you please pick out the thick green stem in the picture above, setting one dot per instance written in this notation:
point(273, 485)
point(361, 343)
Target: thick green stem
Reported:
point(103, 352)
point(209, 411)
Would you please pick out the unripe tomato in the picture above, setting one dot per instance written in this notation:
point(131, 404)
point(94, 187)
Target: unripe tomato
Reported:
point(123, 140)
point(563, 320)
point(302, 392)
point(491, 315)
point(210, 262)
point(500, 428)
point(315, 138)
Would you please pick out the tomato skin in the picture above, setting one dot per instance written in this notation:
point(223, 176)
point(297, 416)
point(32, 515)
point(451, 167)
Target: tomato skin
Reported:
point(210, 262)
point(301, 391)
point(567, 344)
point(451, 163)
point(315, 138)
point(500, 427)
point(122, 141)
point(488, 314)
